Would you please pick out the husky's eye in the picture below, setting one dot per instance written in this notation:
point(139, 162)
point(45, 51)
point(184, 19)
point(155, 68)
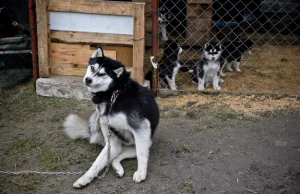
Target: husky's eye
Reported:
point(92, 68)
point(101, 74)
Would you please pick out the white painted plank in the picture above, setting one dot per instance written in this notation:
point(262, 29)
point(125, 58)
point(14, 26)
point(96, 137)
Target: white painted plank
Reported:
point(83, 22)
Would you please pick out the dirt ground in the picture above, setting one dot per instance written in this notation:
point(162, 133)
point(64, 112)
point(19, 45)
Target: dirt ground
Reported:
point(203, 144)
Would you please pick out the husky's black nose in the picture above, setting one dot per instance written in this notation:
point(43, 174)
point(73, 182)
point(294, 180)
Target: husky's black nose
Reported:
point(88, 81)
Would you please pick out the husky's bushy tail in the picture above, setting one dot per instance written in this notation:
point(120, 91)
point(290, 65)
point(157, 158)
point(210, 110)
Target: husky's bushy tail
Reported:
point(75, 127)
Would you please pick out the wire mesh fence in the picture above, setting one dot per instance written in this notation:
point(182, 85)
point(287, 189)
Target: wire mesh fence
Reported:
point(259, 45)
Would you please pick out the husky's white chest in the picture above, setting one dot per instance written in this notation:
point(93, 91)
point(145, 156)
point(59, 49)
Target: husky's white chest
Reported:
point(211, 70)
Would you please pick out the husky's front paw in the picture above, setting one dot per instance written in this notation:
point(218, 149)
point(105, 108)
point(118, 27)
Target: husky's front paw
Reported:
point(217, 87)
point(173, 87)
point(82, 181)
point(229, 69)
point(200, 87)
point(221, 80)
point(222, 74)
point(238, 70)
point(139, 176)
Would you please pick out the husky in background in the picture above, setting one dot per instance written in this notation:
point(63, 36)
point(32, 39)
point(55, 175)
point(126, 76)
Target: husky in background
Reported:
point(169, 65)
point(123, 107)
point(233, 53)
point(163, 20)
point(208, 67)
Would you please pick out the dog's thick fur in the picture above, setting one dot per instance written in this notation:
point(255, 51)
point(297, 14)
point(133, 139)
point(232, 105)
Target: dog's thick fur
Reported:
point(168, 66)
point(207, 69)
point(133, 118)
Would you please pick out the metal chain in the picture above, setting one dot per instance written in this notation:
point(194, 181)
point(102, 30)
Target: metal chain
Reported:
point(40, 172)
point(113, 100)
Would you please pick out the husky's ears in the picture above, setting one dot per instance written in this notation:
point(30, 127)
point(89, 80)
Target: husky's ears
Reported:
point(206, 45)
point(220, 46)
point(119, 71)
point(98, 53)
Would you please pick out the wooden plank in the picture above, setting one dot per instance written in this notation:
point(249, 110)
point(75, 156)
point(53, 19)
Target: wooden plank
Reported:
point(89, 37)
point(105, 7)
point(67, 69)
point(201, 24)
point(199, 1)
point(197, 38)
point(124, 53)
point(199, 10)
point(42, 37)
point(72, 59)
point(139, 43)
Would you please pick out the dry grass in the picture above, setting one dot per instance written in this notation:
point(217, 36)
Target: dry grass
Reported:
point(246, 104)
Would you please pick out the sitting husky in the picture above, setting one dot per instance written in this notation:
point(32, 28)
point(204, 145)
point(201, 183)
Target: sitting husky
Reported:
point(208, 67)
point(233, 53)
point(124, 108)
point(163, 22)
point(169, 65)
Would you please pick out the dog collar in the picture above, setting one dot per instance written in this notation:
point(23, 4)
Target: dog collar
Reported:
point(115, 95)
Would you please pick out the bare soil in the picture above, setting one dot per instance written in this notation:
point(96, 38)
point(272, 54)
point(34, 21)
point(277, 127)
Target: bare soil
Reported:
point(203, 144)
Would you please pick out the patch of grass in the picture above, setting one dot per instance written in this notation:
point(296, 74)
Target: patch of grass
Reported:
point(19, 184)
point(130, 166)
point(182, 149)
point(186, 187)
point(171, 113)
point(23, 145)
point(51, 159)
point(17, 107)
point(225, 113)
point(192, 114)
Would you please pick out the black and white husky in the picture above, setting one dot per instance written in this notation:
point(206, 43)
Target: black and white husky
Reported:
point(233, 53)
point(169, 65)
point(208, 67)
point(128, 109)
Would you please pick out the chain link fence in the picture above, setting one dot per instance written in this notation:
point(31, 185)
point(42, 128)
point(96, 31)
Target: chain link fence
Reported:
point(273, 26)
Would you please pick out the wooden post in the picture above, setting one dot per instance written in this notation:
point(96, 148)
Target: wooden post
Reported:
point(43, 37)
point(139, 43)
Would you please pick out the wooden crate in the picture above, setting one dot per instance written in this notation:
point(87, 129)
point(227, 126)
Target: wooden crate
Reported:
point(197, 38)
point(67, 52)
point(199, 10)
point(199, 22)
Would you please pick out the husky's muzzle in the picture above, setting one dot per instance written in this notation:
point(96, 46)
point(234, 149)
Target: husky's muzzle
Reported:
point(88, 81)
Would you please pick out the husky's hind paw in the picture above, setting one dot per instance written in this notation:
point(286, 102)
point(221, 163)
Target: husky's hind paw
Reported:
point(118, 168)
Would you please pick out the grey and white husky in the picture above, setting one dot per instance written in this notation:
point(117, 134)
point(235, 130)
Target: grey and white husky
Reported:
point(163, 20)
point(208, 67)
point(125, 107)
